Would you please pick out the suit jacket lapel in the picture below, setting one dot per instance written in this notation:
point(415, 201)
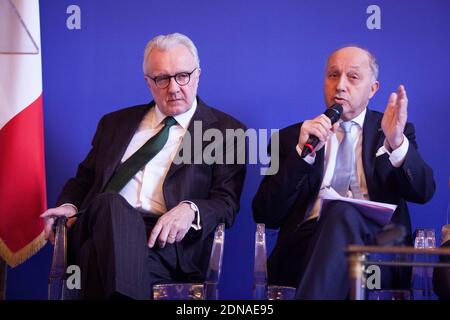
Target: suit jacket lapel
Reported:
point(203, 114)
point(124, 132)
point(371, 136)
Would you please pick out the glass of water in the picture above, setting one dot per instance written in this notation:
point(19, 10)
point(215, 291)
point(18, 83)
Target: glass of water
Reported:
point(430, 238)
point(422, 288)
point(419, 240)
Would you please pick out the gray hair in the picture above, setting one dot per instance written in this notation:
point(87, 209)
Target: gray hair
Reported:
point(373, 63)
point(165, 42)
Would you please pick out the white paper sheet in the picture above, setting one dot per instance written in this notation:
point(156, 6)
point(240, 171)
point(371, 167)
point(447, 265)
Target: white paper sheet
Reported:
point(379, 212)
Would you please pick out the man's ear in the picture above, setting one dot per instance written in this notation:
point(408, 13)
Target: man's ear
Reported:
point(374, 88)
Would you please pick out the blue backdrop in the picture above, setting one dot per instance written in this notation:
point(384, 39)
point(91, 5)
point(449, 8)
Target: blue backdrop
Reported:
point(262, 61)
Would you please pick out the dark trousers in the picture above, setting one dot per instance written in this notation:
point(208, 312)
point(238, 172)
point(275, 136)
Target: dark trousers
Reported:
point(109, 244)
point(318, 265)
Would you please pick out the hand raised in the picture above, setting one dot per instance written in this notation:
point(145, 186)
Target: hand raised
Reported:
point(394, 118)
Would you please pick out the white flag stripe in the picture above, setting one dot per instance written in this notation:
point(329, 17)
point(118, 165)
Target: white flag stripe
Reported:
point(21, 74)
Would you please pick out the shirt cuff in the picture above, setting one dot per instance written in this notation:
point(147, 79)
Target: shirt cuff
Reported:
point(397, 156)
point(196, 224)
point(70, 205)
point(310, 158)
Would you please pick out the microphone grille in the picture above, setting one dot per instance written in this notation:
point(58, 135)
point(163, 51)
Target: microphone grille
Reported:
point(334, 112)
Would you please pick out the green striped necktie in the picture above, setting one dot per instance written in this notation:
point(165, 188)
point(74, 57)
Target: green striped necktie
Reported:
point(140, 158)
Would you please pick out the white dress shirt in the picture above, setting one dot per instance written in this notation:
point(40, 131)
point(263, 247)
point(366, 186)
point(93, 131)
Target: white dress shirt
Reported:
point(396, 158)
point(145, 190)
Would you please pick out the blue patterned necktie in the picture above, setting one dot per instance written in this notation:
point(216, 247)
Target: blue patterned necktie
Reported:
point(345, 161)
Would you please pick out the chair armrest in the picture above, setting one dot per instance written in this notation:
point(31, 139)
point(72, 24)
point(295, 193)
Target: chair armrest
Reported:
point(260, 264)
point(215, 263)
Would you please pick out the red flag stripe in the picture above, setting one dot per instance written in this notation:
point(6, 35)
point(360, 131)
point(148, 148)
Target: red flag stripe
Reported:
point(22, 184)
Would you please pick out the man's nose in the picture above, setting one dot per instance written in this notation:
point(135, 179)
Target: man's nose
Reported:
point(341, 84)
point(173, 86)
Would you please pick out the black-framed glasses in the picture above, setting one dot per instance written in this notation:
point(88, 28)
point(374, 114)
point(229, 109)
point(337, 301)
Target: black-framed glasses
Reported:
point(182, 78)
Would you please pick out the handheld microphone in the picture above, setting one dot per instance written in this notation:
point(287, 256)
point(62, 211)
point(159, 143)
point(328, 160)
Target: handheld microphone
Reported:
point(334, 114)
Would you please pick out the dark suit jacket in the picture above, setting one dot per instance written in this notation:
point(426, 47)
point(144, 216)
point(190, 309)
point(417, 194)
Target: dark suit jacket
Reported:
point(282, 199)
point(215, 189)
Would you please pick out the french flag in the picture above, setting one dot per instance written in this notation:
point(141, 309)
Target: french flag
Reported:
point(22, 166)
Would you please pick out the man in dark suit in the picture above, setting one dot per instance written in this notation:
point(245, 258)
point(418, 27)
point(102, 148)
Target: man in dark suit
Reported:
point(144, 217)
point(366, 155)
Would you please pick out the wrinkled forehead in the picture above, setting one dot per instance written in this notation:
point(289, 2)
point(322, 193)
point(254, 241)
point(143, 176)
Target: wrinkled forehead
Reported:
point(175, 58)
point(349, 58)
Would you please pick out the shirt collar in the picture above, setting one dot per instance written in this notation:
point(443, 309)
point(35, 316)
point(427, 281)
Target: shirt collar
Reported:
point(360, 118)
point(183, 119)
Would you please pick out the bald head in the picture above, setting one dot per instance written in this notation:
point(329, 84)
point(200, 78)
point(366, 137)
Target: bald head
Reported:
point(350, 80)
point(359, 50)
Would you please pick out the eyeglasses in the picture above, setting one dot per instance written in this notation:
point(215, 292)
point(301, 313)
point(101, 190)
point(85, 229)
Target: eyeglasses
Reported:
point(181, 78)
